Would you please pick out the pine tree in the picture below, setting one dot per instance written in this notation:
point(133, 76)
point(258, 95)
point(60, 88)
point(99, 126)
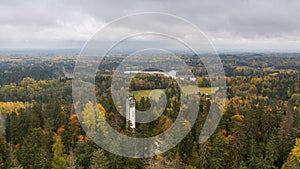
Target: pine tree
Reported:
point(71, 161)
point(204, 155)
point(34, 151)
point(237, 144)
point(284, 135)
point(84, 152)
point(99, 160)
point(3, 152)
point(218, 152)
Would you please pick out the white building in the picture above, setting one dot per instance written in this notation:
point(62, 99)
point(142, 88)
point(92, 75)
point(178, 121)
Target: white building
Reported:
point(130, 112)
point(193, 79)
point(172, 73)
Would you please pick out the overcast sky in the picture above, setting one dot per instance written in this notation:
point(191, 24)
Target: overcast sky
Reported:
point(240, 24)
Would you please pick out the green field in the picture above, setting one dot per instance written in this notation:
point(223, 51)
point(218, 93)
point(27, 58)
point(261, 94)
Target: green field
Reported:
point(209, 90)
point(157, 93)
point(145, 93)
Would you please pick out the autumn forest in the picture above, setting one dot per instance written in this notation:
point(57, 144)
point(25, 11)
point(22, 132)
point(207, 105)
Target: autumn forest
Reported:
point(260, 126)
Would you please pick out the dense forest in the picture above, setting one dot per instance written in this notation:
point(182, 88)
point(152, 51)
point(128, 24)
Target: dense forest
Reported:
point(260, 126)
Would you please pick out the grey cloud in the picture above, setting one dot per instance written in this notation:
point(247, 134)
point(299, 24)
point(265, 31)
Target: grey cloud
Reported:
point(255, 22)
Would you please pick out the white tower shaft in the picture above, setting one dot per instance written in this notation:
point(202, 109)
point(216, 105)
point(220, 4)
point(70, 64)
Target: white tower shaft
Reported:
point(130, 112)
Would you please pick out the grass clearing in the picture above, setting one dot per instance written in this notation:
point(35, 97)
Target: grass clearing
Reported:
point(155, 94)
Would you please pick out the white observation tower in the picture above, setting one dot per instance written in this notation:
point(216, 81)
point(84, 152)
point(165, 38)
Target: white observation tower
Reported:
point(130, 112)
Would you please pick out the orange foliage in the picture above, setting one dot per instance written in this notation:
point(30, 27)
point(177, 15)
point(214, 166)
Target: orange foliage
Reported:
point(60, 130)
point(73, 117)
point(2, 139)
point(80, 137)
point(17, 146)
point(167, 124)
point(224, 132)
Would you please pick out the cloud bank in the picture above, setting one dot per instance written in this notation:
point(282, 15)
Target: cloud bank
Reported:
point(228, 24)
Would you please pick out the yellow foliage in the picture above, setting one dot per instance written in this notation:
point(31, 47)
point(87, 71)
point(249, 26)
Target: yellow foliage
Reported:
point(224, 132)
point(240, 101)
point(228, 138)
point(296, 150)
point(102, 110)
point(256, 105)
point(237, 117)
point(9, 107)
